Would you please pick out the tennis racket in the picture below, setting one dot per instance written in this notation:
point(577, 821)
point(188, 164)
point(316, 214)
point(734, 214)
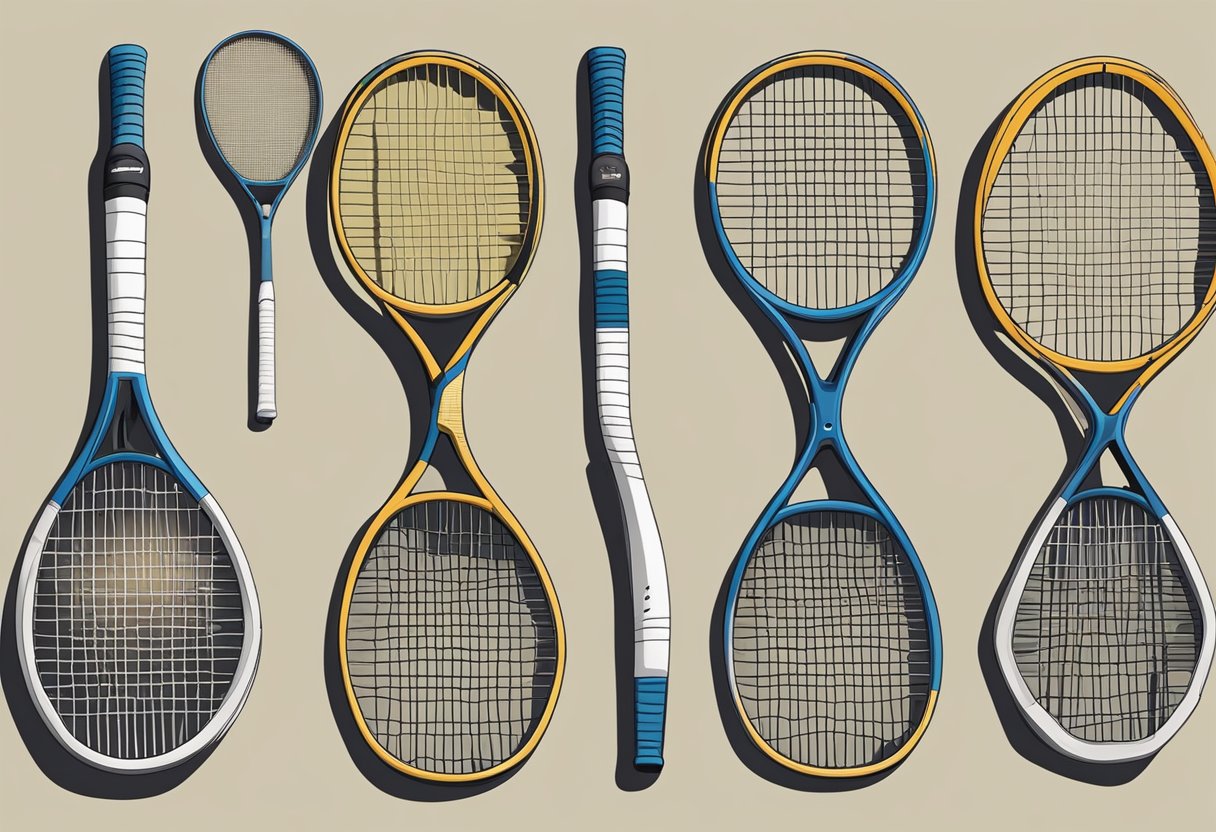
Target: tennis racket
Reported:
point(609, 212)
point(1095, 233)
point(138, 627)
point(450, 637)
point(821, 189)
point(260, 100)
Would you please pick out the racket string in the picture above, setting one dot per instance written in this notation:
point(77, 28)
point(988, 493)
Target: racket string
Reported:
point(1107, 631)
point(451, 642)
point(435, 193)
point(262, 102)
point(138, 616)
point(830, 641)
point(1099, 234)
point(821, 186)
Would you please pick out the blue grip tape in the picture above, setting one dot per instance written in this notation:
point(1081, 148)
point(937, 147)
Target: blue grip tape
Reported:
point(127, 65)
point(650, 709)
point(606, 72)
point(611, 299)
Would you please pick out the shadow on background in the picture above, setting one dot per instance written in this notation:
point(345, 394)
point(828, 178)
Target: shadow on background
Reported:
point(412, 376)
point(1019, 733)
point(836, 480)
point(253, 240)
point(59, 765)
point(600, 479)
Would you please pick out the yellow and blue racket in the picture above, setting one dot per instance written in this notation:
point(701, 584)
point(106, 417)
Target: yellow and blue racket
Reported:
point(1095, 236)
point(822, 190)
point(260, 100)
point(647, 568)
point(450, 637)
point(137, 620)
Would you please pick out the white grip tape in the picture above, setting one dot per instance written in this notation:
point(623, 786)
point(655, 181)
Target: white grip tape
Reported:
point(266, 408)
point(610, 221)
point(126, 283)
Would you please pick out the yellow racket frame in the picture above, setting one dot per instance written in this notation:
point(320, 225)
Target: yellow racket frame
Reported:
point(450, 414)
point(1016, 116)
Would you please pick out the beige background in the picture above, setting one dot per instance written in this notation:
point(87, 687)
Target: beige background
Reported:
point(961, 450)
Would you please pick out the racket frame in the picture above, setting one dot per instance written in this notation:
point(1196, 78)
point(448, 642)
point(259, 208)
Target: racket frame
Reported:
point(447, 385)
point(91, 457)
point(825, 394)
point(267, 409)
point(1105, 430)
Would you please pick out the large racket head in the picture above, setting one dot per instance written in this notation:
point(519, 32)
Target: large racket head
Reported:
point(261, 103)
point(1095, 223)
point(1106, 629)
point(450, 640)
point(436, 187)
point(140, 630)
point(832, 643)
point(822, 184)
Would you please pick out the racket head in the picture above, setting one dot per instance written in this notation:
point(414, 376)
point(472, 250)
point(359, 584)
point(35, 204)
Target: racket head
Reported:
point(260, 100)
point(1047, 237)
point(1105, 633)
point(487, 195)
point(450, 637)
point(139, 628)
point(832, 640)
point(832, 246)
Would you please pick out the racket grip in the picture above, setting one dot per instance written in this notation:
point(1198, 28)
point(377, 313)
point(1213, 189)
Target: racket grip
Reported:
point(606, 74)
point(128, 63)
point(650, 713)
point(266, 411)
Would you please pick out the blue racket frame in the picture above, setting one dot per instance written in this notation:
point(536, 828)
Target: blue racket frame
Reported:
point(266, 219)
point(825, 394)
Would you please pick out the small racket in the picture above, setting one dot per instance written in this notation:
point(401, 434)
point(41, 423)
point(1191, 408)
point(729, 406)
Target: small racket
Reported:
point(260, 100)
point(137, 620)
point(821, 189)
point(450, 637)
point(1095, 233)
point(609, 211)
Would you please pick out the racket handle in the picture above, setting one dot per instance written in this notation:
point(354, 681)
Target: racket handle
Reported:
point(266, 411)
point(650, 713)
point(127, 66)
point(606, 74)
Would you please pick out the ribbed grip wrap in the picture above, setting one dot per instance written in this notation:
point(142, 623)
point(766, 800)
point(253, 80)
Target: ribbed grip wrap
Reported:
point(127, 65)
point(606, 73)
point(650, 709)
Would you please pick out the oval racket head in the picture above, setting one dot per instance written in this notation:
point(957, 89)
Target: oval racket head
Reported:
point(1095, 227)
point(829, 649)
point(821, 184)
point(1107, 634)
point(452, 650)
point(142, 643)
point(436, 191)
point(261, 101)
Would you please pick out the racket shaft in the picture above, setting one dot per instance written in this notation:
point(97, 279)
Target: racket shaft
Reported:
point(652, 615)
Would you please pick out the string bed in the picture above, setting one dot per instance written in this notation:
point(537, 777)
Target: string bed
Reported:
point(1100, 231)
point(830, 645)
point(261, 100)
point(434, 191)
point(451, 644)
point(1107, 631)
point(821, 186)
point(138, 621)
